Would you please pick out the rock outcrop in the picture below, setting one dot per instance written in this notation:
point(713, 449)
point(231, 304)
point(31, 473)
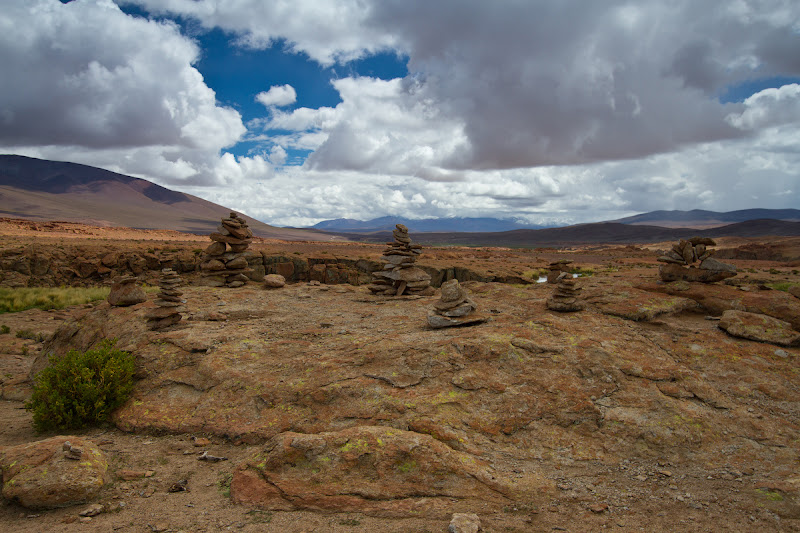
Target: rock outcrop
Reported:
point(56, 472)
point(679, 260)
point(126, 291)
point(454, 308)
point(369, 469)
point(567, 296)
point(225, 264)
point(399, 275)
point(169, 302)
point(759, 327)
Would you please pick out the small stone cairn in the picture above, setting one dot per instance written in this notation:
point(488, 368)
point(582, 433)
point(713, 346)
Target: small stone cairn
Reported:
point(678, 262)
point(566, 297)
point(223, 268)
point(399, 275)
point(169, 301)
point(557, 270)
point(454, 308)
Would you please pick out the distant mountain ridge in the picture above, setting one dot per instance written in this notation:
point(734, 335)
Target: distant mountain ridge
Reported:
point(699, 218)
point(456, 224)
point(595, 233)
point(40, 189)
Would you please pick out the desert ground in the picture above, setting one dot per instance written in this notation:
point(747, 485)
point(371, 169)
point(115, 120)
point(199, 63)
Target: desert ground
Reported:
point(638, 413)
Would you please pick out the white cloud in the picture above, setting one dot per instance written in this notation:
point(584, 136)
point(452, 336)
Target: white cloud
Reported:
point(277, 95)
point(328, 32)
point(770, 107)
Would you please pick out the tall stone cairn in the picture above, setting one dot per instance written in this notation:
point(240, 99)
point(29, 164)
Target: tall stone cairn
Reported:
point(567, 296)
point(399, 275)
point(557, 270)
point(169, 301)
point(679, 262)
point(225, 264)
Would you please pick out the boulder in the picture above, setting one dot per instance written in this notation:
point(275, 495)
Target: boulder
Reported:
point(759, 327)
point(368, 469)
point(274, 281)
point(126, 292)
point(51, 473)
point(464, 523)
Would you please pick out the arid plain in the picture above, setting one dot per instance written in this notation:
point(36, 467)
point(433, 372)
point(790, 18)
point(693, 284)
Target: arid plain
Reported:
point(637, 413)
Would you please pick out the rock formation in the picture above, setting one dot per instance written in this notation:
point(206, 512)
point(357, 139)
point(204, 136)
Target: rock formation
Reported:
point(399, 275)
point(223, 267)
point(454, 308)
point(679, 260)
point(169, 302)
point(126, 291)
point(56, 472)
point(566, 297)
point(557, 270)
point(758, 327)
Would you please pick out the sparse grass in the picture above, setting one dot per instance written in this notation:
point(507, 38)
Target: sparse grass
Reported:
point(350, 522)
point(45, 298)
point(259, 517)
point(28, 334)
point(781, 285)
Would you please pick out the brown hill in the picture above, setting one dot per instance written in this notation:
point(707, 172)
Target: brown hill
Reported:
point(38, 189)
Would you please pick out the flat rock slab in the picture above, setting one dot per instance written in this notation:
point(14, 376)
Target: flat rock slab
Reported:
point(673, 272)
point(38, 475)
point(759, 327)
point(438, 321)
point(373, 470)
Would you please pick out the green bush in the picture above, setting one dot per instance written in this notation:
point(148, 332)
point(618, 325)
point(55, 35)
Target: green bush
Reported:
point(81, 388)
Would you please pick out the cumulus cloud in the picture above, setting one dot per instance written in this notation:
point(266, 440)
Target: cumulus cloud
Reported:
point(277, 95)
point(85, 73)
point(85, 82)
point(328, 32)
point(770, 107)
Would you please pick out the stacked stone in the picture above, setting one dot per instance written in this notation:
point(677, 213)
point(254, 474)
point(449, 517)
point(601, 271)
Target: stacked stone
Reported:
point(224, 268)
point(566, 297)
point(454, 308)
point(557, 269)
point(680, 259)
point(399, 275)
point(169, 301)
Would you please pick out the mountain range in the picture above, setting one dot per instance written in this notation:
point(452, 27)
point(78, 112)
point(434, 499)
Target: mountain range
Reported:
point(697, 218)
point(39, 189)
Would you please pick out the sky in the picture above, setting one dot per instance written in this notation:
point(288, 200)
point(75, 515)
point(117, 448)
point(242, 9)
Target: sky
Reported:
point(298, 111)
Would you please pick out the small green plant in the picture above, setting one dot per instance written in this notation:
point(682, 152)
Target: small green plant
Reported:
point(81, 388)
point(224, 484)
point(28, 334)
point(350, 522)
point(259, 517)
point(4, 330)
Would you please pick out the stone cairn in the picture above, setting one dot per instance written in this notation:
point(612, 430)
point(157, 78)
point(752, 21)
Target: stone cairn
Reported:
point(169, 302)
point(679, 261)
point(566, 297)
point(223, 268)
point(399, 275)
point(454, 308)
point(557, 270)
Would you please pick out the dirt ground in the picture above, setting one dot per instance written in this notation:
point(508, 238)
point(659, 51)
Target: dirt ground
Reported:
point(636, 494)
